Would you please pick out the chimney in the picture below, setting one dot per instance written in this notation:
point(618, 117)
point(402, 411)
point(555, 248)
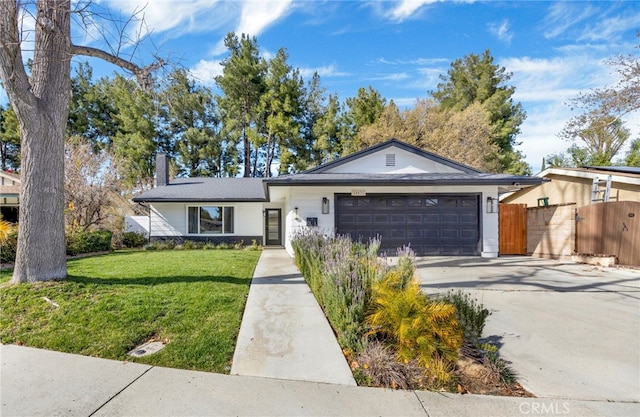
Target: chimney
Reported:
point(162, 170)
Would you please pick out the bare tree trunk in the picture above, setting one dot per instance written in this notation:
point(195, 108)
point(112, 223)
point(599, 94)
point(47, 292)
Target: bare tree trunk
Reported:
point(41, 252)
point(247, 154)
point(41, 104)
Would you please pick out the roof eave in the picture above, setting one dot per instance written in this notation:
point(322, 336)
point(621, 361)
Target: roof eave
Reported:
point(197, 200)
point(530, 181)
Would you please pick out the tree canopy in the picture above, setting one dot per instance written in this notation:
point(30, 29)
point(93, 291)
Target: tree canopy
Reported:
point(598, 133)
point(476, 79)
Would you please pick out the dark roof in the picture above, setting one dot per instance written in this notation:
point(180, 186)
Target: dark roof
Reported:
point(206, 190)
point(388, 144)
point(475, 178)
point(620, 169)
point(255, 189)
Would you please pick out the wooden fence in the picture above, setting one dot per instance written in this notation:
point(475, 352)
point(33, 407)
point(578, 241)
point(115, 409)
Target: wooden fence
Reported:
point(611, 228)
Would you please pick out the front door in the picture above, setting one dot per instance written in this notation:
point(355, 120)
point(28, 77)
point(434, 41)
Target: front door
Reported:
point(273, 233)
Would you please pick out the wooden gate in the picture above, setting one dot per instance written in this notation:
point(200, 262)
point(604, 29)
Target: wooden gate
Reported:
point(512, 220)
point(611, 228)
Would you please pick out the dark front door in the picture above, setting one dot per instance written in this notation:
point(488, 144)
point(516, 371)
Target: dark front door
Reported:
point(273, 234)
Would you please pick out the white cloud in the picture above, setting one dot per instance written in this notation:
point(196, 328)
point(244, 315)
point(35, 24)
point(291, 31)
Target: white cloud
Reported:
point(206, 71)
point(407, 8)
point(398, 76)
point(257, 15)
point(324, 71)
point(610, 28)
point(405, 102)
point(554, 79)
point(175, 16)
point(415, 61)
point(404, 9)
point(563, 16)
point(254, 17)
point(501, 31)
point(428, 78)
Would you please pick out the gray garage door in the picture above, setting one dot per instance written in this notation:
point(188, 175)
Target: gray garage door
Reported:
point(433, 224)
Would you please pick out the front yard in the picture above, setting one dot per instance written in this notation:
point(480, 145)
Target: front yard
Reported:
point(191, 300)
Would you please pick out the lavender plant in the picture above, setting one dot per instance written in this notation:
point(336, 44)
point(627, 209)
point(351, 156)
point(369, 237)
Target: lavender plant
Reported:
point(340, 274)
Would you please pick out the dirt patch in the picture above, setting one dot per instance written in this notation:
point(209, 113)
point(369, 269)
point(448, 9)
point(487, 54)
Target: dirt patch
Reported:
point(477, 375)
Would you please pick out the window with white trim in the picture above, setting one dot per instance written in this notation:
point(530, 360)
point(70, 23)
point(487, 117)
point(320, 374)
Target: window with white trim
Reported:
point(209, 220)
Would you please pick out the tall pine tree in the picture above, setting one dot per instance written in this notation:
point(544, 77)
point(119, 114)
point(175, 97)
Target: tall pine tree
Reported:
point(477, 79)
point(242, 83)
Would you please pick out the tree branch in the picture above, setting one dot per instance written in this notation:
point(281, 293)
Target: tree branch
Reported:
point(143, 74)
point(12, 70)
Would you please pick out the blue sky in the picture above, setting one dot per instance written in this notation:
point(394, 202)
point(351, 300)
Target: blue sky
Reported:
point(555, 50)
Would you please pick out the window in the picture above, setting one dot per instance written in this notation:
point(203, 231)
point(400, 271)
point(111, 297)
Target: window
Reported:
point(207, 220)
point(430, 202)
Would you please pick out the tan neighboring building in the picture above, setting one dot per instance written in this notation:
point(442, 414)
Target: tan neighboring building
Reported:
point(575, 185)
point(9, 196)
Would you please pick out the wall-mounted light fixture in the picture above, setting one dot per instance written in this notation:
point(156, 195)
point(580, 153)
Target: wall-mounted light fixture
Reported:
point(491, 204)
point(296, 210)
point(325, 205)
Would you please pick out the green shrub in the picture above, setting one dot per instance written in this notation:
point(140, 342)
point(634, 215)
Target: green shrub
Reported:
point(498, 369)
point(190, 244)
point(8, 247)
point(254, 246)
point(78, 242)
point(133, 240)
point(150, 246)
point(87, 242)
point(340, 274)
point(471, 314)
point(421, 329)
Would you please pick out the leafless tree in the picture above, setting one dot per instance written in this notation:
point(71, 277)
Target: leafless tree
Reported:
point(40, 99)
point(599, 124)
point(91, 186)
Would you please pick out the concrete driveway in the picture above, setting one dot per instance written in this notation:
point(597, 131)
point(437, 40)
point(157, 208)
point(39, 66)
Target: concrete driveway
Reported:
point(570, 330)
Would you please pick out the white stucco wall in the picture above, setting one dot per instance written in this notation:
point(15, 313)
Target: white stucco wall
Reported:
point(170, 219)
point(137, 224)
point(377, 163)
point(308, 200)
point(167, 219)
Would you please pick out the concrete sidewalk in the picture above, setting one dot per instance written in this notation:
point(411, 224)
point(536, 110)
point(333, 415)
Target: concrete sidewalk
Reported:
point(284, 334)
point(35, 382)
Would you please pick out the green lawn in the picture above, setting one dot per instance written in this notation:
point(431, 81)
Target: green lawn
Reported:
point(110, 304)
